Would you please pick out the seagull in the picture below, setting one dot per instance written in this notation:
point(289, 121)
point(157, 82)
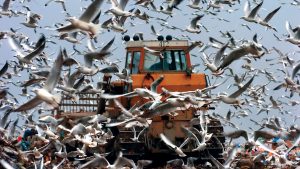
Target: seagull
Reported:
point(27, 58)
point(250, 16)
point(232, 99)
point(201, 144)
point(236, 134)
point(169, 9)
point(171, 145)
point(62, 2)
point(44, 94)
point(265, 21)
point(248, 48)
point(84, 22)
point(145, 3)
point(118, 8)
point(194, 4)
point(31, 20)
point(264, 134)
point(194, 27)
point(5, 8)
point(294, 34)
point(78, 129)
point(213, 67)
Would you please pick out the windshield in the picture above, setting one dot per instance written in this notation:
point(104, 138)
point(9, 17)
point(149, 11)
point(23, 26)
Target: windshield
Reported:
point(174, 60)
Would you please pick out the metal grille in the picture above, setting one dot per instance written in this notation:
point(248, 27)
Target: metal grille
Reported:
point(87, 102)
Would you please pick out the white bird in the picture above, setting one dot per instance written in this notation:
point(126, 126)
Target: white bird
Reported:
point(44, 94)
point(232, 99)
point(294, 34)
point(265, 21)
point(194, 27)
point(213, 67)
point(27, 58)
point(171, 145)
point(169, 9)
point(84, 22)
point(31, 20)
point(251, 16)
point(5, 8)
point(62, 2)
point(118, 8)
point(194, 4)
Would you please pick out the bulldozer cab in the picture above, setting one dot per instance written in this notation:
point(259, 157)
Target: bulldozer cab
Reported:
point(157, 57)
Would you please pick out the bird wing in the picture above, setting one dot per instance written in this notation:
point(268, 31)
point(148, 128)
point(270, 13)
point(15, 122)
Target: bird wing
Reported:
point(122, 4)
point(54, 74)
point(4, 69)
point(271, 14)
point(190, 134)
point(174, 3)
point(88, 59)
point(37, 51)
point(289, 29)
point(64, 6)
point(242, 89)
point(29, 105)
point(124, 111)
point(219, 55)
point(97, 162)
point(109, 69)
point(195, 20)
point(274, 103)
point(91, 11)
point(295, 70)
point(107, 46)
point(109, 96)
point(123, 161)
point(232, 56)
point(153, 30)
point(5, 5)
point(154, 84)
point(167, 141)
point(254, 11)
point(216, 162)
point(114, 3)
point(297, 32)
point(67, 28)
point(247, 8)
point(15, 46)
point(5, 164)
point(215, 41)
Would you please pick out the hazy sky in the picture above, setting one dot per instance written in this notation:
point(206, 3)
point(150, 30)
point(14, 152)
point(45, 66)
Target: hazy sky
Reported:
point(53, 14)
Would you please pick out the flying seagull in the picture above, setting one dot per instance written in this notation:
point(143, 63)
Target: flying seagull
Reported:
point(250, 16)
point(44, 94)
point(171, 145)
point(84, 22)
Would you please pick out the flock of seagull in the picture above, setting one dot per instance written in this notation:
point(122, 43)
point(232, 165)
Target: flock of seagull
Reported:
point(68, 73)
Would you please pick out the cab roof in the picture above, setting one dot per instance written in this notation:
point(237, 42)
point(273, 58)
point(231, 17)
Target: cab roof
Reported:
point(155, 43)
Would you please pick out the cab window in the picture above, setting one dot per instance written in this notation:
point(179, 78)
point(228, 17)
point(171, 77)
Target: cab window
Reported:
point(152, 62)
point(133, 61)
point(174, 60)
